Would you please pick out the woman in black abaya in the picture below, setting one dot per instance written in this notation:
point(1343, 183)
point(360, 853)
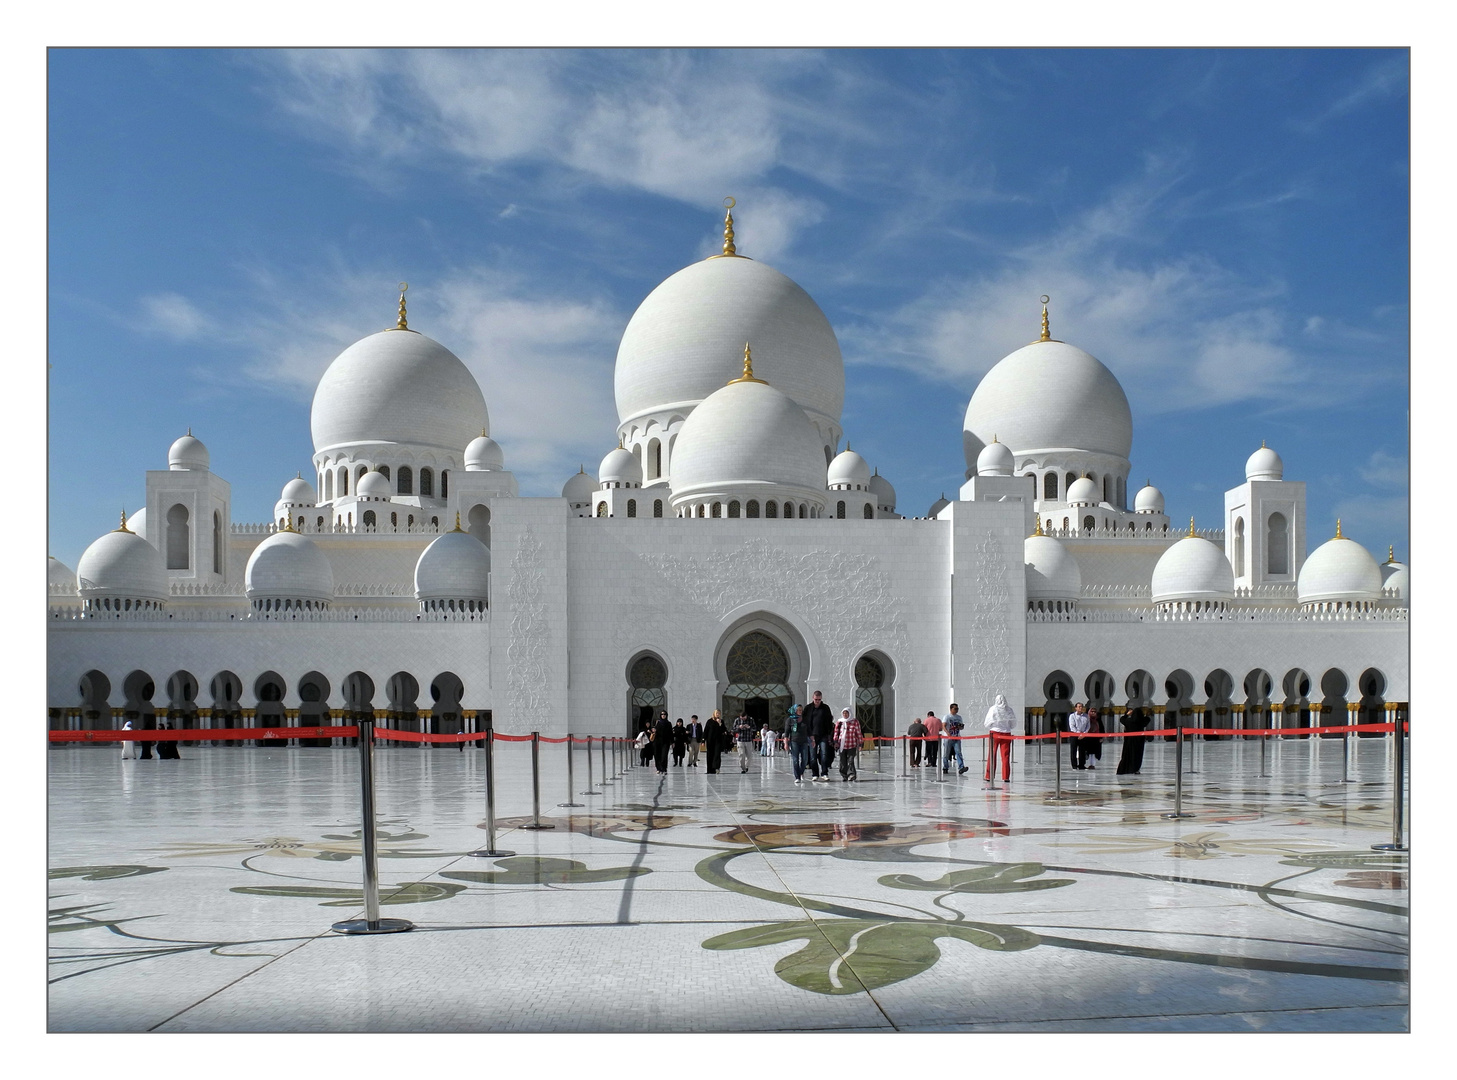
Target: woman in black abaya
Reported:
point(1132, 759)
point(662, 743)
point(713, 739)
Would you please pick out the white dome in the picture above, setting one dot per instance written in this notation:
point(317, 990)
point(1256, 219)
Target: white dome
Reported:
point(883, 491)
point(1339, 570)
point(849, 468)
point(1052, 573)
point(1049, 396)
point(122, 564)
point(1395, 575)
point(1083, 490)
point(188, 453)
point(288, 566)
point(996, 459)
point(137, 523)
point(620, 467)
point(1192, 570)
point(374, 485)
point(685, 341)
point(940, 504)
point(483, 455)
point(747, 433)
point(397, 386)
point(456, 566)
point(1264, 464)
point(579, 488)
point(299, 491)
point(1149, 500)
point(60, 577)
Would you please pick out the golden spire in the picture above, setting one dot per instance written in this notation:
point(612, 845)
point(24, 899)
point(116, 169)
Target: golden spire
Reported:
point(1038, 530)
point(1391, 554)
point(1262, 444)
point(728, 226)
point(287, 524)
point(123, 527)
point(1046, 329)
point(1191, 527)
point(402, 324)
point(994, 437)
point(1338, 530)
point(748, 375)
point(189, 431)
point(457, 523)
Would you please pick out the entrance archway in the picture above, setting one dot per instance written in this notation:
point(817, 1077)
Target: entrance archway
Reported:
point(647, 677)
point(874, 696)
point(761, 672)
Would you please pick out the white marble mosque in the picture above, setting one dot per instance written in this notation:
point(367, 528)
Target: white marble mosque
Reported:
point(732, 552)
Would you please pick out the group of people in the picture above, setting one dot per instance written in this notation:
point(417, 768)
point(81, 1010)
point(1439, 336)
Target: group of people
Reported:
point(659, 739)
point(939, 739)
point(1086, 728)
point(166, 748)
point(815, 737)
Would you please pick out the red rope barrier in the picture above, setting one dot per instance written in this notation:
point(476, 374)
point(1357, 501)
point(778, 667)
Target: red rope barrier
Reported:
point(202, 734)
point(396, 735)
point(1190, 730)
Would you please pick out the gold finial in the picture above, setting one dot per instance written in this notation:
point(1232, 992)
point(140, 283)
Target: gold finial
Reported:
point(1191, 526)
point(457, 523)
point(1046, 329)
point(123, 527)
point(1338, 530)
point(1262, 444)
point(1391, 554)
point(402, 324)
point(189, 431)
point(483, 433)
point(728, 226)
point(287, 524)
point(994, 437)
point(299, 475)
point(1038, 530)
point(748, 375)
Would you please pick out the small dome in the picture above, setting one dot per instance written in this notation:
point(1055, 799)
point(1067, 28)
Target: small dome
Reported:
point(1149, 500)
point(996, 459)
point(374, 485)
point(60, 577)
point(288, 566)
point(850, 469)
point(1396, 576)
point(579, 488)
point(188, 454)
point(397, 386)
point(137, 523)
point(1052, 572)
point(456, 566)
point(1083, 490)
point(1339, 570)
point(620, 467)
point(1264, 464)
point(940, 504)
point(1192, 570)
point(484, 455)
point(299, 492)
point(747, 433)
point(884, 493)
point(122, 564)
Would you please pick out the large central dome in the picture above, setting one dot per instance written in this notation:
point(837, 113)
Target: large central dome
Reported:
point(397, 386)
point(685, 340)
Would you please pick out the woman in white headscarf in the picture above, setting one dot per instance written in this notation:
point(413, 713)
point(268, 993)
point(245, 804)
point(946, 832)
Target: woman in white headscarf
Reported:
point(1000, 720)
point(128, 748)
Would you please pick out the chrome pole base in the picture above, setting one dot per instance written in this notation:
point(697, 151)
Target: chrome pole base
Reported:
point(537, 825)
point(485, 854)
point(582, 793)
point(1388, 847)
point(1177, 815)
point(572, 803)
point(380, 926)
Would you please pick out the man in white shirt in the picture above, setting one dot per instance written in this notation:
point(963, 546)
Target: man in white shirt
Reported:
point(1077, 724)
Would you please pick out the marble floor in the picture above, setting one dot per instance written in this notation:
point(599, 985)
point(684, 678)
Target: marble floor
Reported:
point(198, 896)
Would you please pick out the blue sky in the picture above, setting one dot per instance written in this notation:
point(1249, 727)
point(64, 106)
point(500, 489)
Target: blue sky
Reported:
point(1226, 229)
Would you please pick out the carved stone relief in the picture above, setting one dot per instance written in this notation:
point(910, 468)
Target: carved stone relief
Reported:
point(526, 665)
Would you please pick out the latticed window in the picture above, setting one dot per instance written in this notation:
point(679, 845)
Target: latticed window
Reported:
point(869, 697)
point(717, 510)
point(771, 510)
point(657, 508)
point(427, 483)
point(444, 483)
point(602, 509)
point(405, 481)
point(757, 667)
point(734, 508)
point(752, 509)
point(368, 519)
point(647, 672)
point(839, 510)
point(632, 508)
point(869, 511)
point(384, 470)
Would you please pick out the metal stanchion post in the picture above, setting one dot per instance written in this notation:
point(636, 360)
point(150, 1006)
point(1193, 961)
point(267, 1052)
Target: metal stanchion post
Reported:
point(990, 744)
point(602, 759)
point(1057, 762)
point(589, 790)
point(490, 851)
point(536, 822)
point(1398, 790)
point(905, 757)
point(570, 782)
point(371, 923)
point(1264, 743)
point(1351, 710)
point(1178, 769)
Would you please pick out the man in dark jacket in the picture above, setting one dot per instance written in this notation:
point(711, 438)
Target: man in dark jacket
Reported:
point(796, 735)
point(662, 743)
point(821, 723)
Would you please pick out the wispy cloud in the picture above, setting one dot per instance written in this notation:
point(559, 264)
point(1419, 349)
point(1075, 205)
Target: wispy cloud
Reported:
point(1386, 470)
point(172, 316)
point(1386, 78)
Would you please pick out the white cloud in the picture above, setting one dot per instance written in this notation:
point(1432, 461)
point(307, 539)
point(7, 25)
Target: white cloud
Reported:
point(1373, 521)
point(1386, 470)
point(173, 316)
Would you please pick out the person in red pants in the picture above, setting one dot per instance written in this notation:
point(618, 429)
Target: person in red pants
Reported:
point(1001, 720)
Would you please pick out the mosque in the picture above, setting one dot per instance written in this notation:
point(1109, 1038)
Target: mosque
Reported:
point(728, 554)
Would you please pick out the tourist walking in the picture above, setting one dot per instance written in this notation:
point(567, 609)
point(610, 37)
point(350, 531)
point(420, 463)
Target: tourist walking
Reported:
point(1132, 758)
point(128, 747)
point(917, 734)
point(934, 727)
point(1095, 728)
point(796, 735)
point(1001, 721)
point(680, 743)
point(821, 729)
point(766, 741)
point(1077, 726)
point(167, 748)
point(662, 743)
point(644, 744)
point(951, 739)
point(713, 740)
point(848, 740)
point(744, 736)
point(695, 738)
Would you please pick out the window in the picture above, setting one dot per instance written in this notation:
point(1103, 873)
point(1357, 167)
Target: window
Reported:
point(444, 484)
point(700, 510)
point(601, 509)
point(384, 470)
point(1277, 545)
point(869, 511)
point(657, 508)
point(1239, 547)
point(734, 508)
point(178, 538)
point(752, 509)
point(1089, 524)
point(368, 519)
point(716, 511)
point(343, 482)
point(1064, 524)
point(435, 523)
point(839, 510)
point(405, 482)
point(410, 521)
point(655, 459)
point(1049, 486)
point(319, 524)
point(217, 542)
point(771, 509)
point(328, 486)
point(789, 510)
point(359, 474)
point(394, 520)
point(632, 508)
point(427, 483)
point(1105, 490)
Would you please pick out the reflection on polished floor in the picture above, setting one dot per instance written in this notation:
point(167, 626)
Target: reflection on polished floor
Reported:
point(198, 895)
